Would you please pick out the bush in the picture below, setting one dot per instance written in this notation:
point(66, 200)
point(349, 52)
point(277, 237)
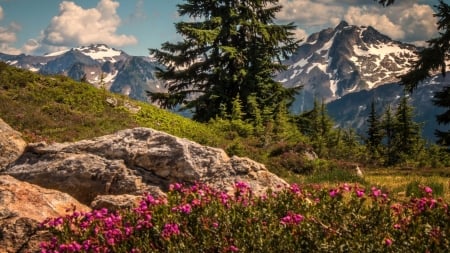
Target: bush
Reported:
point(298, 218)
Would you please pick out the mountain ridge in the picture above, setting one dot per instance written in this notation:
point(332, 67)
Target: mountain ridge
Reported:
point(98, 64)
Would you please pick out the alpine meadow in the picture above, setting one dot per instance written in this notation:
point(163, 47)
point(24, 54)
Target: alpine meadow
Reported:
point(237, 137)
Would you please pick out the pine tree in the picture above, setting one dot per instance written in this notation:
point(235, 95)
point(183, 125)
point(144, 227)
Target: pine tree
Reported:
point(407, 133)
point(374, 133)
point(389, 125)
point(318, 126)
point(233, 48)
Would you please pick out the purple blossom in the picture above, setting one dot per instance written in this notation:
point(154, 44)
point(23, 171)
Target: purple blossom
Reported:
point(388, 242)
point(292, 219)
point(170, 229)
point(333, 193)
point(233, 248)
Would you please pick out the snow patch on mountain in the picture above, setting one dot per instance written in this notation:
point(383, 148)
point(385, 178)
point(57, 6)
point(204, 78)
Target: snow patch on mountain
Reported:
point(100, 52)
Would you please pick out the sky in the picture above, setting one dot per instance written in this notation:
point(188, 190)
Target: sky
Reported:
point(37, 27)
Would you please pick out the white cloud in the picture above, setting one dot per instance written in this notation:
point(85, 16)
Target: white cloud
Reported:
point(8, 35)
point(76, 26)
point(300, 34)
point(369, 17)
point(417, 21)
point(309, 13)
point(407, 21)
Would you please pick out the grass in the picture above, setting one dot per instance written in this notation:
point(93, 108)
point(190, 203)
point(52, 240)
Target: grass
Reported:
point(397, 181)
point(61, 110)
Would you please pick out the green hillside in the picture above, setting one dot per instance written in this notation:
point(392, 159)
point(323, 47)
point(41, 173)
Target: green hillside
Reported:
point(56, 108)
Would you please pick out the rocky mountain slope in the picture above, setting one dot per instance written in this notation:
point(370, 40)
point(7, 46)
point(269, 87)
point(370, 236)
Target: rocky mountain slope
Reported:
point(99, 65)
point(343, 60)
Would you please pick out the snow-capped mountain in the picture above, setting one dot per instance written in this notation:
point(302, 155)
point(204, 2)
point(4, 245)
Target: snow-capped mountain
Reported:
point(342, 60)
point(99, 65)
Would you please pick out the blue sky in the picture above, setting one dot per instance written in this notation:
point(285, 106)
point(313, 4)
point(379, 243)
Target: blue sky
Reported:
point(43, 26)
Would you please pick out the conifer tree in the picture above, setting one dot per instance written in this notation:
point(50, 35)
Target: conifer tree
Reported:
point(407, 133)
point(233, 47)
point(389, 126)
point(374, 132)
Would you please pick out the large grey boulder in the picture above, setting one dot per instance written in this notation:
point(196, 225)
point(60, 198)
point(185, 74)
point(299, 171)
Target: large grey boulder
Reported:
point(134, 161)
point(11, 144)
point(22, 207)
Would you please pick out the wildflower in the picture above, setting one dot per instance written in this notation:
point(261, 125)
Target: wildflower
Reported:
point(359, 193)
point(333, 193)
point(175, 187)
point(376, 192)
point(388, 242)
point(170, 229)
point(292, 219)
point(295, 189)
point(233, 248)
point(242, 186)
point(186, 208)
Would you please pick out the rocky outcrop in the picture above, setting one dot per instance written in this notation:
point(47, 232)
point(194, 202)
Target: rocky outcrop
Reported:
point(22, 207)
point(134, 161)
point(11, 144)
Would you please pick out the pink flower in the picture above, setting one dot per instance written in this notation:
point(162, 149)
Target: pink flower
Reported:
point(388, 242)
point(428, 191)
point(175, 187)
point(359, 193)
point(170, 229)
point(292, 219)
point(233, 248)
point(333, 193)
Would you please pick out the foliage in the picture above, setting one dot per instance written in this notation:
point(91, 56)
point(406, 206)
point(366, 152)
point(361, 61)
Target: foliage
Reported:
point(297, 218)
point(230, 49)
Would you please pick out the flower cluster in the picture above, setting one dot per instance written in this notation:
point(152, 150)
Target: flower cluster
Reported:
point(297, 218)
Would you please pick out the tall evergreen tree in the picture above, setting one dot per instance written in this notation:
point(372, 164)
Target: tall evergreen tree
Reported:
point(389, 125)
point(374, 132)
point(407, 133)
point(232, 49)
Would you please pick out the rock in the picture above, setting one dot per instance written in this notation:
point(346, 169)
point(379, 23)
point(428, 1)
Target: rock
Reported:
point(22, 207)
point(11, 144)
point(134, 161)
point(115, 202)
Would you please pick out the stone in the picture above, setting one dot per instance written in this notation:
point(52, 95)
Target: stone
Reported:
point(116, 202)
point(11, 144)
point(134, 161)
point(22, 207)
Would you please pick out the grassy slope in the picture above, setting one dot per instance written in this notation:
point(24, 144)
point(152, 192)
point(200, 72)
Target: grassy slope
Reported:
point(60, 109)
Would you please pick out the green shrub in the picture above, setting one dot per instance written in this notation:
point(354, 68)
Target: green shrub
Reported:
point(298, 218)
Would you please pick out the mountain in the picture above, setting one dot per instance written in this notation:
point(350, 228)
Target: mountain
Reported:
point(99, 65)
point(352, 110)
point(343, 60)
point(348, 67)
